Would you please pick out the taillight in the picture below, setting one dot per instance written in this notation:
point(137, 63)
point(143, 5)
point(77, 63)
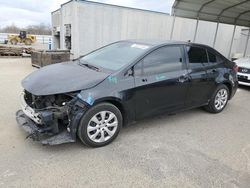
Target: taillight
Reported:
point(235, 68)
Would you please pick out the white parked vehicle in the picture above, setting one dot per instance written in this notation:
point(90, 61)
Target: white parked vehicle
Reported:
point(244, 70)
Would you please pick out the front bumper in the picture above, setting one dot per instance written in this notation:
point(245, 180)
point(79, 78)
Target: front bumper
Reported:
point(49, 126)
point(244, 79)
point(42, 134)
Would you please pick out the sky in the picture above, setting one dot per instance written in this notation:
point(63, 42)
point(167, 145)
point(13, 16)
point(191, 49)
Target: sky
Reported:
point(28, 12)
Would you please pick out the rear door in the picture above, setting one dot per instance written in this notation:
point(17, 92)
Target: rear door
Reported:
point(161, 81)
point(213, 68)
point(198, 90)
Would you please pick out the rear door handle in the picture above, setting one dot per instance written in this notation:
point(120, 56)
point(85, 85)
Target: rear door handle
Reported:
point(183, 78)
point(214, 71)
point(144, 80)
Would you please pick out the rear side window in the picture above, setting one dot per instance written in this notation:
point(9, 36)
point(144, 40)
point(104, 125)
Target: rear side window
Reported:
point(164, 59)
point(197, 55)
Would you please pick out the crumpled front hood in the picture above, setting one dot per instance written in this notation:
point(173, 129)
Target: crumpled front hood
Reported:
point(62, 78)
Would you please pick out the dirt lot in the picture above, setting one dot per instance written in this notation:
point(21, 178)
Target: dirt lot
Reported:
point(190, 149)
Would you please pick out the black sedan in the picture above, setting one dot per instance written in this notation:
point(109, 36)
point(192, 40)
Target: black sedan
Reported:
point(97, 94)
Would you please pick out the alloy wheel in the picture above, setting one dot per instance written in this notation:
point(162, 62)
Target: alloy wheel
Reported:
point(102, 126)
point(221, 99)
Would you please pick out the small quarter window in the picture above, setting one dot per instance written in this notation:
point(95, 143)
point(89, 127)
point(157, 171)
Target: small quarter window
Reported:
point(197, 55)
point(211, 57)
point(214, 57)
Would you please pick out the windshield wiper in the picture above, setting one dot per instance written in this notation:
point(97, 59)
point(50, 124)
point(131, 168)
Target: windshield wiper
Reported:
point(90, 66)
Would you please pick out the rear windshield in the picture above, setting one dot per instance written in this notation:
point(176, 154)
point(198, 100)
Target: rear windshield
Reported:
point(116, 55)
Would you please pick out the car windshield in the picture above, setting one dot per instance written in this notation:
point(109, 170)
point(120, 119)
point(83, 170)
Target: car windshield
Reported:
point(114, 56)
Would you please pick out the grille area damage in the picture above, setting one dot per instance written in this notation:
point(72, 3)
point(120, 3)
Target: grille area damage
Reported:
point(50, 119)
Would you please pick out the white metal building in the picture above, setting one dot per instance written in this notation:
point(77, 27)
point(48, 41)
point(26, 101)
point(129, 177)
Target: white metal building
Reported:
point(83, 26)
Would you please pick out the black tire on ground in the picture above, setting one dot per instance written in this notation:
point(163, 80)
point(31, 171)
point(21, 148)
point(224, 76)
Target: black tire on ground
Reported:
point(28, 42)
point(13, 41)
point(211, 107)
point(82, 128)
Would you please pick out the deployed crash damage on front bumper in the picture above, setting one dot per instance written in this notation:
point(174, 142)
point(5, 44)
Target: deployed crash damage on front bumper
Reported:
point(50, 119)
point(51, 106)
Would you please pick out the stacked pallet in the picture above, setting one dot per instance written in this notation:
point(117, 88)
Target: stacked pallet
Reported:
point(14, 51)
point(48, 57)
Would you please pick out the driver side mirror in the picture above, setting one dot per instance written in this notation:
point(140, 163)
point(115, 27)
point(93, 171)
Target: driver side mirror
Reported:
point(130, 72)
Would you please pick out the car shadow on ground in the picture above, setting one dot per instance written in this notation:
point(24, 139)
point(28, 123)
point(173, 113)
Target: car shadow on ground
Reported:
point(246, 88)
point(165, 119)
point(159, 121)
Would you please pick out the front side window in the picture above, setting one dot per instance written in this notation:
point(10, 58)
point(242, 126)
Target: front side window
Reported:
point(162, 60)
point(115, 56)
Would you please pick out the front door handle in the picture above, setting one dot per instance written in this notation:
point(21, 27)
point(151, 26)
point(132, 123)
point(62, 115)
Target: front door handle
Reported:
point(144, 80)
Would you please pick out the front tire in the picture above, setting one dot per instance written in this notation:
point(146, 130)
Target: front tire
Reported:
point(100, 125)
point(13, 41)
point(28, 42)
point(219, 100)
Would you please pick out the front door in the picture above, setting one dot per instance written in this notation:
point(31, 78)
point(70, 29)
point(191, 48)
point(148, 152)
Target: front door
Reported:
point(161, 81)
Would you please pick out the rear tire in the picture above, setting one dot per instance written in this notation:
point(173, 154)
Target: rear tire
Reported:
point(219, 100)
point(100, 125)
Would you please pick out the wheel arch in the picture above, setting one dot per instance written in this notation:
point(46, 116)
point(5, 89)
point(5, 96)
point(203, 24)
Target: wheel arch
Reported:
point(229, 86)
point(117, 103)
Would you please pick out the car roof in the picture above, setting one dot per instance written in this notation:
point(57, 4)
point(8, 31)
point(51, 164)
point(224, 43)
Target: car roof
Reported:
point(155, 43)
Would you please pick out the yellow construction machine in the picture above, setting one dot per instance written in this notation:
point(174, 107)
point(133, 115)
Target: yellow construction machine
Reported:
point(23, 37)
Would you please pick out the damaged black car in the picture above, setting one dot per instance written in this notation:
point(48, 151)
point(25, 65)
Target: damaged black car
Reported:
point(93, 96)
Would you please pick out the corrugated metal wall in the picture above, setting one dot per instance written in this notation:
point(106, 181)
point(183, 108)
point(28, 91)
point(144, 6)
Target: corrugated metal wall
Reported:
point(95, 25)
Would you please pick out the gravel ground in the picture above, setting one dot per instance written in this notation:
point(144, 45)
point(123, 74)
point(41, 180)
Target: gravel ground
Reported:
point(190, 149)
